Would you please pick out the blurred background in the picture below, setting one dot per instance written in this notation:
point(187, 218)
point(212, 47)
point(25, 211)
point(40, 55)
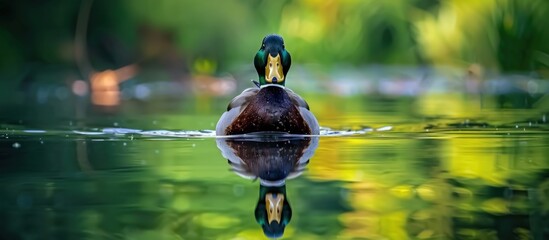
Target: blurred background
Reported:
point(58, 54)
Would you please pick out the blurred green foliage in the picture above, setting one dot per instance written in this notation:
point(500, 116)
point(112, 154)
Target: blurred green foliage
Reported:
point(506, 35)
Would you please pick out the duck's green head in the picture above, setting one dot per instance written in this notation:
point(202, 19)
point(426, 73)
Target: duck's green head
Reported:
point(272, 61)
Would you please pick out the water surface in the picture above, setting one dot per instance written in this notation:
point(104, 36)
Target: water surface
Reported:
point(430, 166)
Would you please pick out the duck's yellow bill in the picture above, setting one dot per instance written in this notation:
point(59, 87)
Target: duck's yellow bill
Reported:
point(274, 203)
point(273, 69)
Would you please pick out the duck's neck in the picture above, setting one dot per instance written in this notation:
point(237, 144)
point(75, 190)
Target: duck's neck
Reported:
point(276, 183)
point(271, 85)
point(263, 82)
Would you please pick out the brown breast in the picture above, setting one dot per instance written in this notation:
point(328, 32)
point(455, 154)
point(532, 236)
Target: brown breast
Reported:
point(270, 110)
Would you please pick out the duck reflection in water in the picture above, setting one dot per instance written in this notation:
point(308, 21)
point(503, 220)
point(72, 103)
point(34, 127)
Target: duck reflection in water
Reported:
point(272, 160)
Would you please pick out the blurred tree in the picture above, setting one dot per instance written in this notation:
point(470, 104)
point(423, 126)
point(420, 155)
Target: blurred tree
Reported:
point(522, 35)
point(38, 37)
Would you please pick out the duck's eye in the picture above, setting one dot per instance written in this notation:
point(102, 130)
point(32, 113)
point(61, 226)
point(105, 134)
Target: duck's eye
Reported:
point(263, 45)
point(270, 64)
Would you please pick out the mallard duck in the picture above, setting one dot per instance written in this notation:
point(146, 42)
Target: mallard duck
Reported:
point(272, 160)
point(270, 106)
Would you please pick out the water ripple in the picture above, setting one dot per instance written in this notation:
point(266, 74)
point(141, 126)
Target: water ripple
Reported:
point(160, 134)
point(120, 133)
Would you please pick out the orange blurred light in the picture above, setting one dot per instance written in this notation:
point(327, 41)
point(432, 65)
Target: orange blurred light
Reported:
point(105, 90)
point(104, 85)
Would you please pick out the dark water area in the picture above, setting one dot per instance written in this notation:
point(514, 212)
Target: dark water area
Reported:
point(425, 166)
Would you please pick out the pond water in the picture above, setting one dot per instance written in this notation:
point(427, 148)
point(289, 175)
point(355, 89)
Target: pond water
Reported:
point(439, 165)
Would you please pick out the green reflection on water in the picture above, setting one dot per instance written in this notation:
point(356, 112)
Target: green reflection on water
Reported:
point(428, 178)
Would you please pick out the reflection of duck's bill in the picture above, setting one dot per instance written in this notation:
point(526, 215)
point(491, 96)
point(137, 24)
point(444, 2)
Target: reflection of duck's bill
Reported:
point(274, 203)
